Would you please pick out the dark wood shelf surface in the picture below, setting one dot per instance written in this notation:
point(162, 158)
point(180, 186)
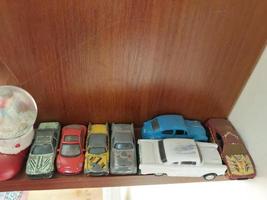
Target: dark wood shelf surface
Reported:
point(23, 183)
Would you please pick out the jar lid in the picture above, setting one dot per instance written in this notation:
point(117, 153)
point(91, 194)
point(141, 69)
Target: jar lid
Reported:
point(18, 112)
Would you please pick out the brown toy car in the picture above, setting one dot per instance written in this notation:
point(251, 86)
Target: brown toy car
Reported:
point(232, 149)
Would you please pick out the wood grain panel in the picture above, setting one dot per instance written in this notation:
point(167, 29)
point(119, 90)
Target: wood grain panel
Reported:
point(6, 75)
point(129, 60)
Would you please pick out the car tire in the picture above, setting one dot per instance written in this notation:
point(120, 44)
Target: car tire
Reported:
point(159, 174)
point(210, 177)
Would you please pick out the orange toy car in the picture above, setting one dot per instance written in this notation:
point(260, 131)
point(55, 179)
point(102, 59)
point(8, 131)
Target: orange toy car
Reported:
point(70, 157)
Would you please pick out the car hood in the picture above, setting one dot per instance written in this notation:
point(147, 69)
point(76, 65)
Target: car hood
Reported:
point(76, 161)
point(124, 158)
point(148, 152)
point(40, 164)
point(147, 128)
point(239, 165)
point(96, 162)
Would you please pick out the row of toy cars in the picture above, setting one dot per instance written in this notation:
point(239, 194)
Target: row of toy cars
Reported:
point(170, 145)
point(78, 152)
point(166, 151)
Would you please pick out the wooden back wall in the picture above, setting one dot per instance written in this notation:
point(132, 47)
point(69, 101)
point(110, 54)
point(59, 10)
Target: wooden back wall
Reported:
point(128, 60)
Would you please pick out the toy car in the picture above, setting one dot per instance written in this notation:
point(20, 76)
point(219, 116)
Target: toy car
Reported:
point(232, 149)
point(11, 164)
point(40, 163)
point(97, 150)
point(180, 157)
point(173, 126)
point(70, 156)
point(123, 151)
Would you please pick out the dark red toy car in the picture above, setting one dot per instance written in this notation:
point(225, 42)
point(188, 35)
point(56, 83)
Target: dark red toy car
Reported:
point(232, 149)
point(70, 157)
point(11, 164)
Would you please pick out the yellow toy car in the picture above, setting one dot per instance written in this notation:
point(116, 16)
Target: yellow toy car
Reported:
point(97, 150)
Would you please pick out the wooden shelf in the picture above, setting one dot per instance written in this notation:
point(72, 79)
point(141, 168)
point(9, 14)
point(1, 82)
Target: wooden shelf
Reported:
point(23, 183)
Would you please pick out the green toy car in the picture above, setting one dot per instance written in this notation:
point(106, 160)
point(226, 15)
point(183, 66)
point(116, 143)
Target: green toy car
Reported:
point(40, 163)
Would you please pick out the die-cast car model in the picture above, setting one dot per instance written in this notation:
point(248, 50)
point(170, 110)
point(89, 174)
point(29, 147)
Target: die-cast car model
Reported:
point(123, 150)
point(232, 149)
point(173, 126)
point(40, 163)
point(180, 157)
point(70, 156)
point(97, 150)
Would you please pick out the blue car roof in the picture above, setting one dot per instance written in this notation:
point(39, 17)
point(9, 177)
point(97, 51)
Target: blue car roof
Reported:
point(173, 122)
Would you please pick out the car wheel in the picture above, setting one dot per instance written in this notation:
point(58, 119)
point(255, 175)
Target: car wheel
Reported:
point(210, 177)
point(159, 174)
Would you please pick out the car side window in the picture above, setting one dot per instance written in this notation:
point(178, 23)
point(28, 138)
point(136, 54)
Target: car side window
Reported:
point(167, 132)
point(155, 124)
point(180, 132)
point(107, 142)
point(54, 142)
point(188, 163)
point(113, 141)
point(219, 140)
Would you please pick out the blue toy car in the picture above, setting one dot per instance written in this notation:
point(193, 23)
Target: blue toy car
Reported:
point(173, 126)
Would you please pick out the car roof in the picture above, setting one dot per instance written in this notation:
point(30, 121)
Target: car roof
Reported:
point(44, 132)
point(178, 150)
point(226, 130)
point(44, 136)
point(97, 140)
point(173, 122)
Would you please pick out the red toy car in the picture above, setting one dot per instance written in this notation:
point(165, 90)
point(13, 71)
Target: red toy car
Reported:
point(232, 149)
point(70, 157)
point(11, 164)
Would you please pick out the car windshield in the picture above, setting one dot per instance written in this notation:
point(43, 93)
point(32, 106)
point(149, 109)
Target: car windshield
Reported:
point(123, 146)
point(97, 150)
point(71, 138)
point(230, 149)
point(162, 151)
point(42, 149)
point(97, 140)
point(70, 150)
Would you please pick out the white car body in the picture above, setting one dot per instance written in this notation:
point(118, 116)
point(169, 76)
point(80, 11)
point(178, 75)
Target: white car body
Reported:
point(183, 157)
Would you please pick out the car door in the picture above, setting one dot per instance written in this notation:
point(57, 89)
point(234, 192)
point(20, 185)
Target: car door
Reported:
point(183, 168)
point(219, 141)
point(167, 134)
point(181, 134)
point(54, 146)
point(112, 152)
